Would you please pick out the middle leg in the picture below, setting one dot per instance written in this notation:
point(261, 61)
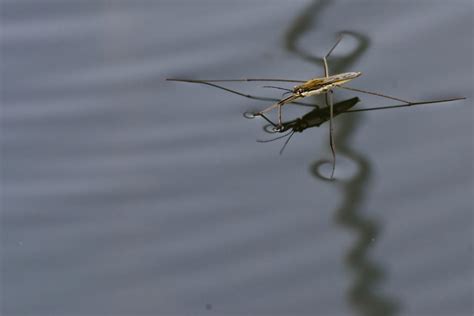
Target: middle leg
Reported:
point(329, 103)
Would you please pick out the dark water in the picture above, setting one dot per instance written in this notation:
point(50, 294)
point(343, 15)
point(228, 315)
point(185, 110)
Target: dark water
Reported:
point(125, 194)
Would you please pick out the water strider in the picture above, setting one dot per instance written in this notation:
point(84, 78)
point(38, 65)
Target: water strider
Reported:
point(315, 86)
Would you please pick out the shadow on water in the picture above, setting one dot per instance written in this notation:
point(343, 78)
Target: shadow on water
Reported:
point(362, 294)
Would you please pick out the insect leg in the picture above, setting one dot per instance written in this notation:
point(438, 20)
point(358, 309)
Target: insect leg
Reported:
point(329, 103)
point(268, 120)
point(237, 80)
point(279, 104)
point(204, 82)
point(279, 115)
point(331, 133)
point(326, 70)
point(375, 93)
point(403, 105)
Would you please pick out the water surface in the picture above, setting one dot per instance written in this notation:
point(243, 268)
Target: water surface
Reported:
point(125, 194)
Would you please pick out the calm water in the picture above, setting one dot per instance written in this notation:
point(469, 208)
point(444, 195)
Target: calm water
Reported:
point(125, 194)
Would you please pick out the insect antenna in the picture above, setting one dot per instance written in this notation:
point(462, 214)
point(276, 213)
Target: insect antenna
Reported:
point(279, 88)
point(288, 91)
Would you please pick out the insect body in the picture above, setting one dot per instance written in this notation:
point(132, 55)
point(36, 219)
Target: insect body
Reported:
point(311, 87)
point(322, 85)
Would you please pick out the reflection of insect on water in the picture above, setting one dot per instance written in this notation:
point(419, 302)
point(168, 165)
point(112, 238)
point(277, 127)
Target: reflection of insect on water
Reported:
point(316, 86)
point(313, 118)
point(318, 116)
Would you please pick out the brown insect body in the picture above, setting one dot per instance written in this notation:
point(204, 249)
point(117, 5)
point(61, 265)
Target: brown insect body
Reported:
point(322, 85)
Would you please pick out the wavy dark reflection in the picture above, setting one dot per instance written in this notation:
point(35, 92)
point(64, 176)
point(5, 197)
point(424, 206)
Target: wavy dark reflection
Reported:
point(363, 294)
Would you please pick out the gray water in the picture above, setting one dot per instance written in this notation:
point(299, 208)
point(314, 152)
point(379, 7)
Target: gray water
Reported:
point(125, 194)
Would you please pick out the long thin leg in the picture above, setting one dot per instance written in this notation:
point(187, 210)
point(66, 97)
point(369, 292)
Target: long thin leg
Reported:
point(403, 105)
point(326, 68)
point(279, 104)
point(374, 93)
point(237, 92)
point(387, 107)
point(330, 104)
point(339, 38)
point(268, 120)
point(331, 134)
point(279, 114)
point(236, 80)
point(325, 58)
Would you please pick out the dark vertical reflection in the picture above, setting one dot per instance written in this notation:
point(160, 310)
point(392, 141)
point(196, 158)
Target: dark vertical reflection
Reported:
point(362, 295)
point(303, 23)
